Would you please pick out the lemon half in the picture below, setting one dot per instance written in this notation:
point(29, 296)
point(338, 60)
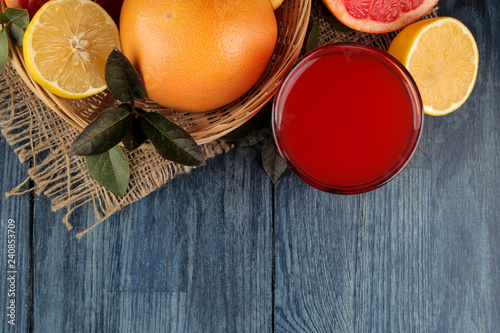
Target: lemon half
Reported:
point(66, 46)
point(442, 56)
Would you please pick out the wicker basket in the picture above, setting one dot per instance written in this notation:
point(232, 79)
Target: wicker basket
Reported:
point(292, 17)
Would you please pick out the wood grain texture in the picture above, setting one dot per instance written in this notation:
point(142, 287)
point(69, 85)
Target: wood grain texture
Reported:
point(358, 262)
point(315, 263)
point(12, 173)
point(194, 256)
point(467, 202)
point(420, 254)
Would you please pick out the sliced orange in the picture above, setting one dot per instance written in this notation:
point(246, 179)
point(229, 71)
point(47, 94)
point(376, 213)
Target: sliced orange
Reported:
point(66, 46)
point(442, 56)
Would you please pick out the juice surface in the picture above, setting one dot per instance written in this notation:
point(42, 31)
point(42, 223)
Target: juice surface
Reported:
point(346, 119)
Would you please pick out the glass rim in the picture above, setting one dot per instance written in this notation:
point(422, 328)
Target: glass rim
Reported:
point(413, 93)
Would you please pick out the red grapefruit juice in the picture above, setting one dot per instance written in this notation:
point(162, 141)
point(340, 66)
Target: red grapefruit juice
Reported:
point(348, 118)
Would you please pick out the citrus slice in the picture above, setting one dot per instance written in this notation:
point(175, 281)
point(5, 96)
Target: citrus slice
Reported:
point(379, 16)
point(111, 6)
point(66, 46)
point(276, 3)
point(441, 55)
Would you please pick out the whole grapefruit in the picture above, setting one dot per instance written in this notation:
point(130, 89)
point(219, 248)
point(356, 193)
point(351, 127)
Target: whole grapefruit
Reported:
point(196, 56)
point(379, 16)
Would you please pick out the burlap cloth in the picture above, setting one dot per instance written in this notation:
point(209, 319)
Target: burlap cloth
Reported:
point(41, 138)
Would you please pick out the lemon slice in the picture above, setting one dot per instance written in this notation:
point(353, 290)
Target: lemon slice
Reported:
point(276, 3)
point(66, 46)
point(441, 55)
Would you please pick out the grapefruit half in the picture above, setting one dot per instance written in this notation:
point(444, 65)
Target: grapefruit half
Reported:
point(379, 16)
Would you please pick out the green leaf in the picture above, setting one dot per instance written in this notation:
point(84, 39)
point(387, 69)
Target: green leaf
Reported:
point(250, 132)
point(171, 141)
point(122, 79)
point(111, 170)
point(103, 133)
point(19, 17)
point(336, 24)
point(3, 18)
point(135, 136)
point(235, 136)
point(312, 40)
point(16, 34)
point(255, 137)
point(273, 163)
point(126, 106)
point(4, 48)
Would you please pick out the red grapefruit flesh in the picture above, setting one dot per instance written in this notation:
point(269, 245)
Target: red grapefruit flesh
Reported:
point(379, 15)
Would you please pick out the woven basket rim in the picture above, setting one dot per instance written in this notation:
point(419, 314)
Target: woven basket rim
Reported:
point(292, 18)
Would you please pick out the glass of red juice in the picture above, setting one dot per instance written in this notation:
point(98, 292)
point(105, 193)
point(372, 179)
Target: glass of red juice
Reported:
point(348, 118)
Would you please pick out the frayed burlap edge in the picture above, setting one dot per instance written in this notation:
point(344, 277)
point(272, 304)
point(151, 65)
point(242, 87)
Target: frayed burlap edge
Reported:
point(40, 136)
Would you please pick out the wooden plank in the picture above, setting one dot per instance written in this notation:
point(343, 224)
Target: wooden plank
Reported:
point(315, 262)
point(342, 260)
point(394, 261)
point(466, 187)
point(14, 245)
point(194, 256)
point(420, 254)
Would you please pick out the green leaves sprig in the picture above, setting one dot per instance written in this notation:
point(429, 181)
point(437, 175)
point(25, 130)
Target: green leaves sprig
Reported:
point(312, 39)
point(273, 163)
point(132, 126)
point(253, 133)
point(14, 22)
point(336, 24)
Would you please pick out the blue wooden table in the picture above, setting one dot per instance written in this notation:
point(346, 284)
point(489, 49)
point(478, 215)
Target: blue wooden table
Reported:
point(223, 250)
